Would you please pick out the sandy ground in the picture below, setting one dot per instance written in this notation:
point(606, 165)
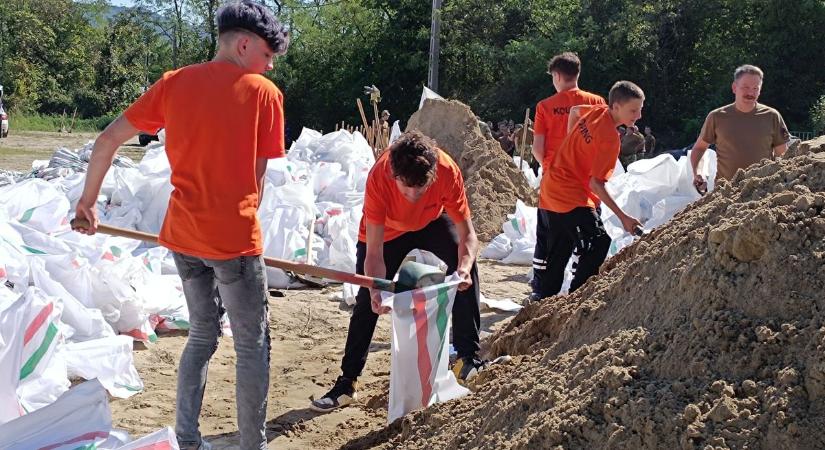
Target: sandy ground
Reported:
point(19, 149)
point(308, 333)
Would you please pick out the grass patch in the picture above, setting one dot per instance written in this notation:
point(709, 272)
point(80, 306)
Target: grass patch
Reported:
point(39, 122)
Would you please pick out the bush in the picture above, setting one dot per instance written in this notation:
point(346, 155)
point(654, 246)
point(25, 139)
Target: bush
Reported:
point(818, 116)
point(42, 122)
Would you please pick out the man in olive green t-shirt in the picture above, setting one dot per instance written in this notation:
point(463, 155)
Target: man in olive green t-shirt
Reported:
point(744, 132)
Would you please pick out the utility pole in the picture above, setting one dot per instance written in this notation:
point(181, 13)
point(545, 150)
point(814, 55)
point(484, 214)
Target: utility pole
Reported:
point(435, 29)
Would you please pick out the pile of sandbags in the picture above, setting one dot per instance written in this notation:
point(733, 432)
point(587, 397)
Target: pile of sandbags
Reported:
point(652, 190)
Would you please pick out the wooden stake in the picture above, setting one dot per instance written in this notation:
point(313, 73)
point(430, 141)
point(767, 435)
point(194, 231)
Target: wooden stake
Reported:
point(74, 115)
point(361, 110)
point(378, 138)
point(523, 137)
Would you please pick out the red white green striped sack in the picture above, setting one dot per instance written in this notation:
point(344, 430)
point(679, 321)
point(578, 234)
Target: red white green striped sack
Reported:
point(419, 374)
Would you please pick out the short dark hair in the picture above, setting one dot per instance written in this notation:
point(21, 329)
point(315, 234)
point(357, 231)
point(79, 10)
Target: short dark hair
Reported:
point(246, 15)
point(622, 91)
point(567, 64)
point(414, 159)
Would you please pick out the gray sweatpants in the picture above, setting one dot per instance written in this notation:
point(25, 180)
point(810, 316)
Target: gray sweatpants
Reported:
point(241, 285)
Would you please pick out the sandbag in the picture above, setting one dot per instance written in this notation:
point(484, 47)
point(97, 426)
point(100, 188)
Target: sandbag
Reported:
point(419, 373)
point(107, 359)
point(80, 418)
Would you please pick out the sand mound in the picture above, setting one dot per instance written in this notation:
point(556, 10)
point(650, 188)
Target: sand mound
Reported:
point(709, 333)
point(812, 146)
point(492, 181)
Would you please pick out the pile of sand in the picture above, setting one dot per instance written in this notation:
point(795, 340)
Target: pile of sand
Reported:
point(709, 333)
point(492, 181)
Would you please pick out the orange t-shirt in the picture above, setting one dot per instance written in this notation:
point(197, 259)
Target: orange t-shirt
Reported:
point(590, 150)
point(218, 120)
point(552, 114)
point(385, 205)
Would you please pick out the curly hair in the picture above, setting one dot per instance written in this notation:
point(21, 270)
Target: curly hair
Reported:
point(413, 159)
point(246, 15)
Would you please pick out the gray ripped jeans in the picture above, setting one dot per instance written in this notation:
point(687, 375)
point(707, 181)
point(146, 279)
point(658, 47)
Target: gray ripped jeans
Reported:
point(241, 285)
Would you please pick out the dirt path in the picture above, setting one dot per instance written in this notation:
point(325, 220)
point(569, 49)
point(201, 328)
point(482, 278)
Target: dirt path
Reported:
point(19, 149)
point(308, 332)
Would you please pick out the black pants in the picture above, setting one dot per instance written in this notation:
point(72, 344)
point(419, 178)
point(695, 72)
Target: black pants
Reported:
point(557, 235)
point(440, 238)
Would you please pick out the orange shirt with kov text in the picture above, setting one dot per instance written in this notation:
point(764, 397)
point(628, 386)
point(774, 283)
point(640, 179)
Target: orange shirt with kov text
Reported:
point(385, 205)
point(590, 150)
point(218, 120)
point(552, 114)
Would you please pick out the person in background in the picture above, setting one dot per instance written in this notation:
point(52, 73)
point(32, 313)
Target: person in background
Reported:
point(650, 143)
point(744, 132)
point(633, 145)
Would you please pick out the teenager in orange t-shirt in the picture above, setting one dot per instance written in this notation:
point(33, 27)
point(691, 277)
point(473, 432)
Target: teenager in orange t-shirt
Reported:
point(578, 175)
point(414, 199)
point(550, 129)
point(223, 120)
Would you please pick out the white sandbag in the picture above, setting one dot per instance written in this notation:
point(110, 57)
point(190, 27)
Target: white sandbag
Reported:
point(498, 248)
point(296, 195)
point(504, 304)
point(155, 163)
point(44, 389)
point(14, 267)
point(80, 418)
point(29, 335)
point(342, 235)
point(12, 313)
point(37, 203)
point(280, 171)
point(521, 224)
point(36, 242)
point(164, 439)
point(521, 253)
point(532, 179)
point(302, 148)
point(395, 131)
point(419, 376)
point(107, 359)
point(427, 93)
point(86, 323)
point(41, 333)
point(154, 199)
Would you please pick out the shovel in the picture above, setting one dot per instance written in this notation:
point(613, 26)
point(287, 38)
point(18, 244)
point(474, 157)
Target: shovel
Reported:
point(411, 275)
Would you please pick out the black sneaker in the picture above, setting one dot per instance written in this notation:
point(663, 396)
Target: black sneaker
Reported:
point(532, 298)
point(466, 368)
point(342, 394)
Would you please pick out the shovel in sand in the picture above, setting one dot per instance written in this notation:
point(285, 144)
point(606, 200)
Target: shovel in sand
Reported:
point(411, 275)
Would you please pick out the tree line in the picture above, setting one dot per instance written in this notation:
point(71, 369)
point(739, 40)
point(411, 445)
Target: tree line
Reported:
point(58, 55)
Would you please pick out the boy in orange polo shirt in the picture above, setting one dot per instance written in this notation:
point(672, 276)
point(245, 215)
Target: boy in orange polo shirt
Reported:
point(223, 120)
point(578, 174)
point(550, 129)
point(414, 199)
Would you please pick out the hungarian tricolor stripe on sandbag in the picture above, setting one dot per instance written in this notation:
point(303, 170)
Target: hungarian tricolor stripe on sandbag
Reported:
point(39, 339)
point(419, 376)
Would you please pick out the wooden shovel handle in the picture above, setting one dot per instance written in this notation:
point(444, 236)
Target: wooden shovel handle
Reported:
point(321, 272)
